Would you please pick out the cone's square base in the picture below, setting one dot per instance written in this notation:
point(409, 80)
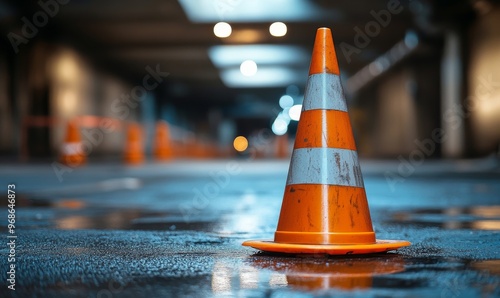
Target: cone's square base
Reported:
point(330, 249)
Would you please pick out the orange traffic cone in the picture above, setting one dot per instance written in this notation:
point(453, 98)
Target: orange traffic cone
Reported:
point(134, 151)
point(72, 152)
point(282, 146)
point(162, 147)
point(324, 207)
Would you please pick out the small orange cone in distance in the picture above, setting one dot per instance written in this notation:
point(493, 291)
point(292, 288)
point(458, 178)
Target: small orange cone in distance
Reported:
point(282, 146)
point(324, 207)
point(72, 152)
point(162, 146)
point(134, 151)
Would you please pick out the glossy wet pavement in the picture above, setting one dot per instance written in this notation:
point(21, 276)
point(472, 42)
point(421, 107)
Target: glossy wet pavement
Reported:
point(175, 230)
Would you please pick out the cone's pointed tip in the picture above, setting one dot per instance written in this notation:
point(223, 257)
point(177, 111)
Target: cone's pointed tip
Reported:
point(324, 29)
point(324, 58)
point(324, 37)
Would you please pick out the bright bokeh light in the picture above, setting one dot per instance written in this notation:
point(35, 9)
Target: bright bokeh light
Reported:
point(222, 29)
point(248, 68)
point(279, 127)
point(240, 143)
point(277, 29)
point(266, 76)
point(294, 112)
point(286, 101)
point(269, 54)
point(256, 11)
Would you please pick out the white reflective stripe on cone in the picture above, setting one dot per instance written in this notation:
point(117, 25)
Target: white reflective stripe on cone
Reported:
point(324, 92)
point(330, 166)
point(72, 148)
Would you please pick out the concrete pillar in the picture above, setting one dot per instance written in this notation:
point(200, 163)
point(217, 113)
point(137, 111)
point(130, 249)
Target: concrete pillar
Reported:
point(452, 80)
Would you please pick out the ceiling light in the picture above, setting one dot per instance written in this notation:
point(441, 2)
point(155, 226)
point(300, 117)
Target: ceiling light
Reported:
point(232, 55)
point(267, 76)
point(294, 112)
point(277, 29)
point(255, 11)
point(222, 30)
point(248, 68)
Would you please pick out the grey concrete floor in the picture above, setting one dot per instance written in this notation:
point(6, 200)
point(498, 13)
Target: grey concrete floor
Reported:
point(175, 230)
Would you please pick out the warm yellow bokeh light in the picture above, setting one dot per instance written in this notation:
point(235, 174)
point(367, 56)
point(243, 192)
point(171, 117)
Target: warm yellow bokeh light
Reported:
point(240, 143)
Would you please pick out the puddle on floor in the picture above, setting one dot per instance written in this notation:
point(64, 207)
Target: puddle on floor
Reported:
point(307, 274)
point(134, 220)
point(475, 218)
point(76, 214)
point(266, 275)
point(346, 273)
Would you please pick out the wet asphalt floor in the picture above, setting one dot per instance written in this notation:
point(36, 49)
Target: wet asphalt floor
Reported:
point(175, 230)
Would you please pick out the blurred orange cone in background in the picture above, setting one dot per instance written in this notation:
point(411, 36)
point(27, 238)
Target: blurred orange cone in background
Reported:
point(72, 152)
point(282, 146)
point(134, 151)
point(162, 145)
point(324, 207)
point(199, 149)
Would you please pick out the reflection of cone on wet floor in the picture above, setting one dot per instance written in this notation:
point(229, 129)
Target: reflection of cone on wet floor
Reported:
point(134, 151)
point(324, 207)
point(282, 146)
point(322, 274)
point(72, 150)
point(162, 145)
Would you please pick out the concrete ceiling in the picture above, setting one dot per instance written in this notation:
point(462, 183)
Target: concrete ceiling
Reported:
point(133, 34)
